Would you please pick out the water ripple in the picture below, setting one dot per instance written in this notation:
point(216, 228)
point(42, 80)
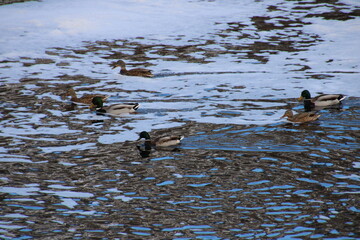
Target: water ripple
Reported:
point(223, 83)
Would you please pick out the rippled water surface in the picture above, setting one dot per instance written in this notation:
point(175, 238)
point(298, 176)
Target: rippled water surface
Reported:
point(225, 73)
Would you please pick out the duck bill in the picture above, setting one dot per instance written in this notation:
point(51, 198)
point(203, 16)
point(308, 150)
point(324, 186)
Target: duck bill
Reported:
point(114, 67)
point(92, 107)
point(300, 98)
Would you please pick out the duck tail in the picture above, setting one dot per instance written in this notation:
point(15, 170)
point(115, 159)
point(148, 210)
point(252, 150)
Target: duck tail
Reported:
point(341, 97)
point(136, 106)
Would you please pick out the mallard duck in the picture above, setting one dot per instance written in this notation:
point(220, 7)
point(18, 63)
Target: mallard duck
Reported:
point(322, 100)
point(140, 72)
point(85, 99)
point(161, 141)
point(115, 109)
point(300, 117)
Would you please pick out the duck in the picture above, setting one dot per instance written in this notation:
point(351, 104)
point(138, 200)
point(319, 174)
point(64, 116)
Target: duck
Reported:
point(140, 72)
point(300, 117)
point(165, 141)
point(322, 100)
point(85, 99)
point(115, 109)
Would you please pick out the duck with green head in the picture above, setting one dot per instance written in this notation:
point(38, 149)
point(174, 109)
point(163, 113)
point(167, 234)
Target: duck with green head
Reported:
point(139, 72)
point(115, 109)
point(165, 141)
point(300, 117)
point(322, 100)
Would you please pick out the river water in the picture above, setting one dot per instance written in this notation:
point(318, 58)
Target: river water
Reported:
point(225, 72)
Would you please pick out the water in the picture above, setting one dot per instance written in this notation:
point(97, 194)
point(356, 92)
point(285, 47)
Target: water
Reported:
point(224, 77)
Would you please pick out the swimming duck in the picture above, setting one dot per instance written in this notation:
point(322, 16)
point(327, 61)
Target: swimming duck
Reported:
point(322, 100)
point(300, 117)
point(115, 109)
point(85, 99)
point(166, 141)
point(140, 72)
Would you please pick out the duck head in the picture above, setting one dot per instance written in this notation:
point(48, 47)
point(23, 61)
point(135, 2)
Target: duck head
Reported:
point(145, 135)
point(97, 103)
point(304, 95)
point(120, 64)
point(288, 114)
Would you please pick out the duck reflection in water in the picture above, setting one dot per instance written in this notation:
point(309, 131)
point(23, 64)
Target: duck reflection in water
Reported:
point(144, 150)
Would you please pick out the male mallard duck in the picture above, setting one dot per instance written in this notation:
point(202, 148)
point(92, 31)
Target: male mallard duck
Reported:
point(115, 109)
point(140, 72)
point(300, 117)
point(85, 99)
point(322, 100)
point(161, 141)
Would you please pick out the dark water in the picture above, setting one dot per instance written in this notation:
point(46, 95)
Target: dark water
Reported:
point(240, 172)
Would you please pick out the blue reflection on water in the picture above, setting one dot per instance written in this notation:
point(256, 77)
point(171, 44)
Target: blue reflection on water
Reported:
point(165, 183)
point(187, 227)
